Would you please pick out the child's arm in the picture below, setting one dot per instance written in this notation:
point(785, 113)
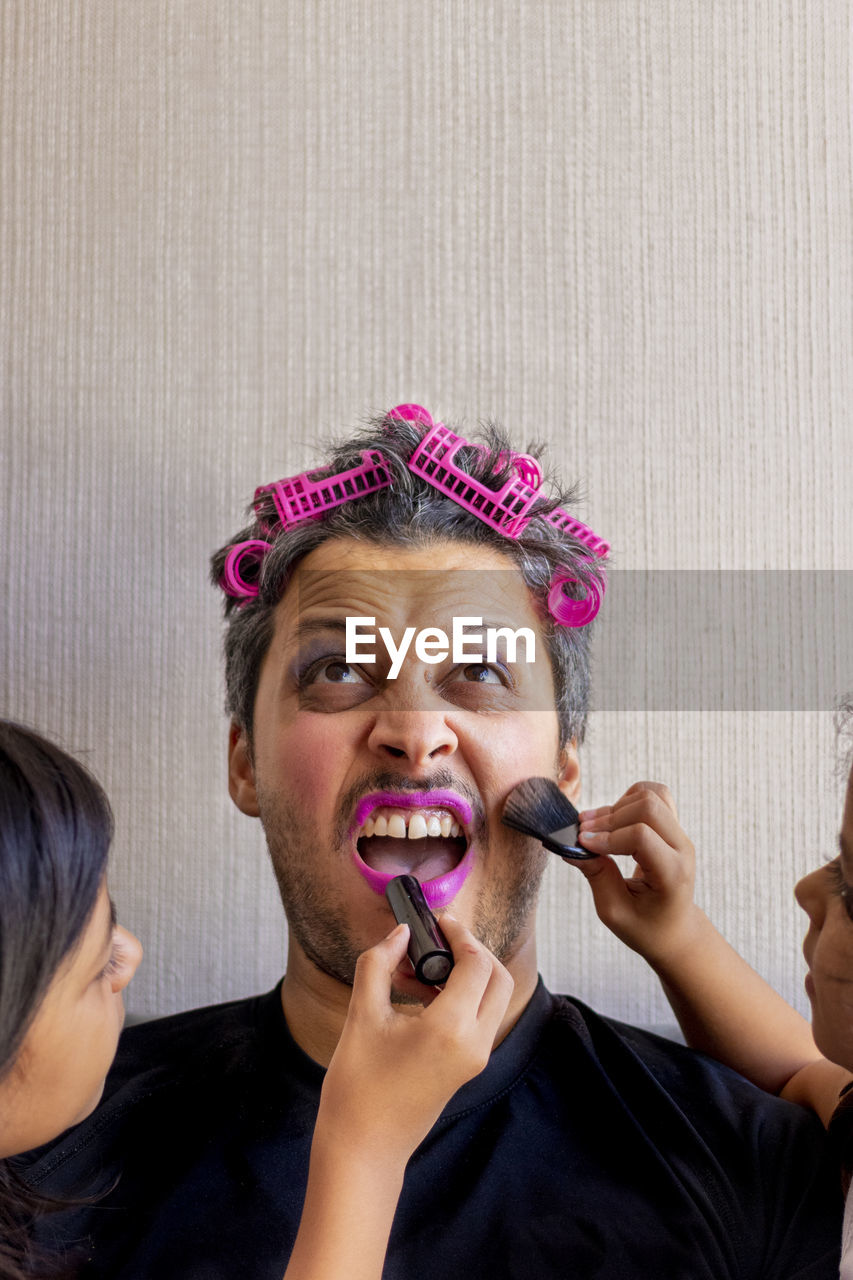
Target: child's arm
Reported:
point(390, 1078)
point(722, 1005)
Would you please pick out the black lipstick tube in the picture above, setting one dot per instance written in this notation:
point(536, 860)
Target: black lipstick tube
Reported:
point(429, 953)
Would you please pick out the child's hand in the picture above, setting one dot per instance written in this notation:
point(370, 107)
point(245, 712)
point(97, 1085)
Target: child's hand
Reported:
point(390, 1078)
point(652, 911)
point(395, 1069)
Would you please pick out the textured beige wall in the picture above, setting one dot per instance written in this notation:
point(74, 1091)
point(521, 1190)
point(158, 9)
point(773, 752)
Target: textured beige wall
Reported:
point(227, 228)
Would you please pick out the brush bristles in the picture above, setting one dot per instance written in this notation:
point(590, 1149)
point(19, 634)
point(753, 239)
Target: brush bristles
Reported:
point(538, 808)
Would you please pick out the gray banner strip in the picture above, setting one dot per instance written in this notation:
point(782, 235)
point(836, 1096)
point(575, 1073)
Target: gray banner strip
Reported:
point(737, 640)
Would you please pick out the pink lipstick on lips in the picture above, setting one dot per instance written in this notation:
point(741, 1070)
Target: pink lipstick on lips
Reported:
point(442, 889)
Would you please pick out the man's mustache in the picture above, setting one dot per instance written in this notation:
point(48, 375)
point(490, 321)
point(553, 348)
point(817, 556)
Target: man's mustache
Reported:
point(389, 780)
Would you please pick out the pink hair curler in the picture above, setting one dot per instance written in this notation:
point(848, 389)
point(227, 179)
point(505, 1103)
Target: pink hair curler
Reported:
point(563, 609)
point(232, 582)
point(504, 510)
point(411, 413)
point(568, 612)
point(526, 467)
point(309, 495)
point(564, 523)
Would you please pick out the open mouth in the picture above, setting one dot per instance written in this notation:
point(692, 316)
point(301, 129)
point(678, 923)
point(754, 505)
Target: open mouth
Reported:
point(423, 834)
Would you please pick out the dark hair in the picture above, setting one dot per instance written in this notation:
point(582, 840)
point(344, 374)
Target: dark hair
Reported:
point(412, 513)
point(55, 833)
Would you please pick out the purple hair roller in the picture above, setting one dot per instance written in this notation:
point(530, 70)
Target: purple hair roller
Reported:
point(504, 510)
point(309, 495)
point(568, 612)
point(508, 510)
point(411, 413)
point(564, 523)
point(233, 583)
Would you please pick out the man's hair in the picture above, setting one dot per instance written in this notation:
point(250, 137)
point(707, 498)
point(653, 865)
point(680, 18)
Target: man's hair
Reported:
point(412, 513)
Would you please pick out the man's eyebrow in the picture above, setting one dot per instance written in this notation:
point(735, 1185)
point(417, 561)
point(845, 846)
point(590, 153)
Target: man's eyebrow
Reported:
point(505, 624)
point(310, 626)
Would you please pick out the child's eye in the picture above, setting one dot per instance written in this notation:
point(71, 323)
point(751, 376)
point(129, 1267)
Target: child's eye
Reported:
point(115, 963)
point(840, 887)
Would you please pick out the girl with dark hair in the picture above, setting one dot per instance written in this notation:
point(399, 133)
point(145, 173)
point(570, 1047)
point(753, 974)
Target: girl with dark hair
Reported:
point(64, 962)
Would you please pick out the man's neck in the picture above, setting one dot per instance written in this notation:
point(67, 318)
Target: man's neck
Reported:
point(315, 1005)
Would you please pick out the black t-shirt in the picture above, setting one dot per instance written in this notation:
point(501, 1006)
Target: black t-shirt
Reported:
point(586, 1148)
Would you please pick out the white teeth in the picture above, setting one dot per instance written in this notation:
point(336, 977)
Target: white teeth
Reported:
point(413, 826)
point(417, 827)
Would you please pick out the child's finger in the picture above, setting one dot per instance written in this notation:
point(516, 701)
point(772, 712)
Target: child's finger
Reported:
point(472, 1005)
point(661, 863)
point(646, 809)
point(499, 983)
point(376, 967)
point(472, 968)
point(607, 884)
point(657, 788)
point(634, 792)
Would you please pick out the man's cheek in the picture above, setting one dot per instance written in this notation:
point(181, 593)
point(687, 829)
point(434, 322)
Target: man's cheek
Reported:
point(307, 764)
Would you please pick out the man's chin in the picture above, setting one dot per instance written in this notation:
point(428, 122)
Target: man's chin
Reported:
point(406, 991)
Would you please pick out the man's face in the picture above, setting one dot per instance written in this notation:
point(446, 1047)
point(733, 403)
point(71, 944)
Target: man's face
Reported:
point(358, 777)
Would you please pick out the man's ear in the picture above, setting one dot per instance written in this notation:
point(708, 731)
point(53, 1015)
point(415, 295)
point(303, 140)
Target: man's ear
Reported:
point(241, 773)
point(569, 777)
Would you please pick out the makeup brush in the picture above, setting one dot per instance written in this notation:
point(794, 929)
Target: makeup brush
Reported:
point(538, 808)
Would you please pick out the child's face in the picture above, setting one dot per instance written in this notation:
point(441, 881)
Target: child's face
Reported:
point(58, 1075)
point(827, 898)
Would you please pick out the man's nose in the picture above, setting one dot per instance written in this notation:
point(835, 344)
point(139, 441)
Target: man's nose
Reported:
point(413, 734)
point(811, 892)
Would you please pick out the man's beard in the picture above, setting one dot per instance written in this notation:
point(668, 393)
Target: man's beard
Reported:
point(317, 915)
point(315, 918)
point(508, 901)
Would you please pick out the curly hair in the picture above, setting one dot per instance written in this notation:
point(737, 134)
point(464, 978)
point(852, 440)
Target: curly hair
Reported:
point(412, 513)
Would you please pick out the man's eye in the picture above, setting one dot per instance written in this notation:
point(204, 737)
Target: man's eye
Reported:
point(335, 671)
point(481, 673)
